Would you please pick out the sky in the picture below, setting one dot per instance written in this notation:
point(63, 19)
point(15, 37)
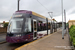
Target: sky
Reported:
point(8, 7)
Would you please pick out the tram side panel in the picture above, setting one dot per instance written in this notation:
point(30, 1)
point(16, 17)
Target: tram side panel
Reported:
point(42, 30)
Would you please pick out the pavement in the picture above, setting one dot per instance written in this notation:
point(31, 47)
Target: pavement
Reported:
point(51, 42)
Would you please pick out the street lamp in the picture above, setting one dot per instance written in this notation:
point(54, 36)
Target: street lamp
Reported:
point(51, 20)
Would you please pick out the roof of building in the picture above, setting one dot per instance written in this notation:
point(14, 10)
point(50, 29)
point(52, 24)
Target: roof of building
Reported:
point(71, 21)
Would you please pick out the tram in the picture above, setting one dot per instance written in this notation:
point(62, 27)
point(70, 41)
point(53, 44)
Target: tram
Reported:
point(27, 26)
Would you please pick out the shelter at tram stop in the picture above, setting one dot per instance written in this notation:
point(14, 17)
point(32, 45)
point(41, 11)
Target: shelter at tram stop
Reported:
point(60, 24)
point(71, 22)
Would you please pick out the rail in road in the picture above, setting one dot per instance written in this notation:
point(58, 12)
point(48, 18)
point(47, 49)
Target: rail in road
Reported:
point(10, 46)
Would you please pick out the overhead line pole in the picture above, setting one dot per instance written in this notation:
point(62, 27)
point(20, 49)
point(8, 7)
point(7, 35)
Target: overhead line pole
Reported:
point(18, 6)
point(62, 20)
point(65, 17)
point(51, 22)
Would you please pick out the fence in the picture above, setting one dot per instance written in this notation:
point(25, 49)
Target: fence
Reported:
point(3, 29)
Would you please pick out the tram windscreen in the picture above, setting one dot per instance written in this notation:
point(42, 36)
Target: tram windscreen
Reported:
point(15, 25)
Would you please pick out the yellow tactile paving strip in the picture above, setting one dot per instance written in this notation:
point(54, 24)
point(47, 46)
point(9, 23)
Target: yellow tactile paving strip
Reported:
point(33, 42)
point(36, 41)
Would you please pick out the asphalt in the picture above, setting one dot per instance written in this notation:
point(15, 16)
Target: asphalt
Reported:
point(2, 37)
point(51, 42)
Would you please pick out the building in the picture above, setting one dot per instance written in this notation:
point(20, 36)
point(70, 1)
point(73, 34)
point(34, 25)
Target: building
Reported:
point(71, 22)
point(1, 25)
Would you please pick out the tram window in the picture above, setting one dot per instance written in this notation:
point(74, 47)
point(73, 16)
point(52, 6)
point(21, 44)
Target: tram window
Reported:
point(48, 25)
point(28, 25)
point(39, 29)
point(19, 24)
point(45, 26)
point(35, 28)
point(15, 25)
point(55, 25)
point(41, 26)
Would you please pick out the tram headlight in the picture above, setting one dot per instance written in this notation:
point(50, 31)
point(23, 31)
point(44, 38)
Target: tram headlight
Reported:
point(18, 35)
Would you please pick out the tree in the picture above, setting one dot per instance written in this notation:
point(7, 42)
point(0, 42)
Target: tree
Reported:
point(53, 19)
point(5, 24)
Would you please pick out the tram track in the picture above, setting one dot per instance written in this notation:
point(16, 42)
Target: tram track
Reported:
point(2, 42)
point(10, 46)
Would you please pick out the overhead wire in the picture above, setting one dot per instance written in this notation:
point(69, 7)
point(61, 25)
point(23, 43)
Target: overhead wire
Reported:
point(43, 6)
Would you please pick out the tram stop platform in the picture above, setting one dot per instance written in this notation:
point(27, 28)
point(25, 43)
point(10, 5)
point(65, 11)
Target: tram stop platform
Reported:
point(53, 41)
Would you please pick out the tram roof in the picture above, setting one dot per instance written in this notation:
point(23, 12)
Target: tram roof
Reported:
point(38, 15)
point(24, 11)
point(31, 12)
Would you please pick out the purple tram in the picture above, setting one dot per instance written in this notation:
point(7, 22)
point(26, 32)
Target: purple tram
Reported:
point(27, 26)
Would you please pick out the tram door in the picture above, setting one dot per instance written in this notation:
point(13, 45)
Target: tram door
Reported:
point(34, 29)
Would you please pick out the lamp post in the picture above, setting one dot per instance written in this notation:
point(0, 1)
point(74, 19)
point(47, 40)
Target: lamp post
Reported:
point(18, 5)
point(51, 21)
point(62, 20)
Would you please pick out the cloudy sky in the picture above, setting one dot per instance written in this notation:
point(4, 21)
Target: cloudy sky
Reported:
point(8, 7)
